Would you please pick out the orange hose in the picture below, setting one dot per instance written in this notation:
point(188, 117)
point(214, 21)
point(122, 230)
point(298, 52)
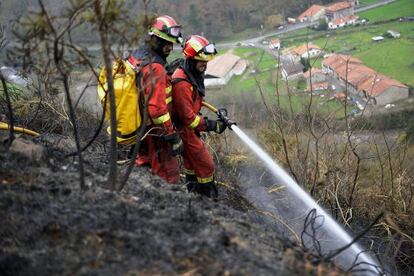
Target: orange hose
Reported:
point(209, 106)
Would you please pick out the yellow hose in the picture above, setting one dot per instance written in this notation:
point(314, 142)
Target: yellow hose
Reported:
point(209, 106)
point(4, 126)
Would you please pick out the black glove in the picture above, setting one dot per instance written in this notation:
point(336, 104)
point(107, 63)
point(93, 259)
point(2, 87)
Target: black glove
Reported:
point(207, 189)
point(217, 126)
point(176, 143)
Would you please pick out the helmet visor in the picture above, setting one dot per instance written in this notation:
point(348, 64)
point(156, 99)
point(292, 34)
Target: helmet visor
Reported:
point(174, 31)
point(209, 49)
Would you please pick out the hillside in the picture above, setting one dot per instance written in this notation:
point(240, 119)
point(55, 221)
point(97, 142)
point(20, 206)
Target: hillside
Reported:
point(49, 226)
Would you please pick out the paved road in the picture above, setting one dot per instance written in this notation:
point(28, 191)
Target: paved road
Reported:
point(293, 27)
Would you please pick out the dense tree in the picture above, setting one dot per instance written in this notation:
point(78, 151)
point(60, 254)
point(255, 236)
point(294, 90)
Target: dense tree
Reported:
point(214, 18)
point(274, 20)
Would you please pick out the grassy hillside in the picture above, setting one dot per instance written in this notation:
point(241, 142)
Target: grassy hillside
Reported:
point(397, 9)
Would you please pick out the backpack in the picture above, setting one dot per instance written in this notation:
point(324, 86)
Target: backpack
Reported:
point(170, 68)
point(127, 101)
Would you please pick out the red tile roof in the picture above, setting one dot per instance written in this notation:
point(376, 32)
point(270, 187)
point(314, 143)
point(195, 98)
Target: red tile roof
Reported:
point(300, 50)
point(338, 6)
point(318, 86)
point(360, 76)
point(314, 9)
point(314, 72)
point(336, 60)
point(340, 95)
point(376, 84)
point(344, 19)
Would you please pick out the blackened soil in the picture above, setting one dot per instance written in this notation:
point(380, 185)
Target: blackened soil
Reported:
point(49, 226)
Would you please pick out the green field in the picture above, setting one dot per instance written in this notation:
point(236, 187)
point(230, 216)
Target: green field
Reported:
point(392, 57)
point(367, 2)
point(396, 9)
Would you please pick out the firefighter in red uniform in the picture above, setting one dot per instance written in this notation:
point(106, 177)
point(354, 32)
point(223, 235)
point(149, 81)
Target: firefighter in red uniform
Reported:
point(159, 149)
point(188, 94)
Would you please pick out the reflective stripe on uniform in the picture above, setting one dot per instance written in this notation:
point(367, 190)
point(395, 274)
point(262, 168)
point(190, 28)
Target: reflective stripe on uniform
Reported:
point(196, 122)
point(168, 90)
point(203, 180)
point(162, 119)
point(190, 172)
point(168, 100)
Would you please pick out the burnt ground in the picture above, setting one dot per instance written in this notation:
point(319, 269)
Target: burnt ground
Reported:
point(49, 226)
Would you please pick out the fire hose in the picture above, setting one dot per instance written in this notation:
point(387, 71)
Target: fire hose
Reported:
point(221, 113)
point(5, 126)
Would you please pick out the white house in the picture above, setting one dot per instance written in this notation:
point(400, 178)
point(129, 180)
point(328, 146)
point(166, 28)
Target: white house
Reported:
point(274, 44)
point(307, 50)
point(314, 13)
point(290, 67)
point(222, 68)
point(343, 21)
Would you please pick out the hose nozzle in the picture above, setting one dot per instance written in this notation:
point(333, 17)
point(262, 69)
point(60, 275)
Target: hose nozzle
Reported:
point(222, 115)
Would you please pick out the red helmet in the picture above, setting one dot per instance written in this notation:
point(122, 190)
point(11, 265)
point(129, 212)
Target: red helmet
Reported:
point(166, 27)
point(198, 47)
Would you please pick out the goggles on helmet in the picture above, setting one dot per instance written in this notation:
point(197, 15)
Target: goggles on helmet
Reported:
point(209, 49)
point(207, 53)
point(174, 31)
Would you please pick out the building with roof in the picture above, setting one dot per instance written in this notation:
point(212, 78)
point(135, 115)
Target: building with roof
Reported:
point(318, 86)
point(274, 44)
point(336, 14)
point(362, 81)
point(291, 68)
point(343, 21)
point(308, 50)
point(338, 10)
point(377, 38)
point(315, 75)
point(340, 96)
point(314, 13)
point(222, 68)
point(393, 34)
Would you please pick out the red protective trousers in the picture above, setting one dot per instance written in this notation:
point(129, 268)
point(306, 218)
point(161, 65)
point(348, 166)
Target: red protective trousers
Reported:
point(157, 87)
point(186, 106)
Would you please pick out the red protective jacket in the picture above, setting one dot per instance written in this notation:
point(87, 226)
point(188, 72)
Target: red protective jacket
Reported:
point(186, 107)
point(156, 84)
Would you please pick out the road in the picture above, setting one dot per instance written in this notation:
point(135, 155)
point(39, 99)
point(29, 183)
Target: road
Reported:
point(293, 27)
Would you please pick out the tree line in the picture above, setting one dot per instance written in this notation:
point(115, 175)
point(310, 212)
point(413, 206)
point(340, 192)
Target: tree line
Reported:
point(216, 19)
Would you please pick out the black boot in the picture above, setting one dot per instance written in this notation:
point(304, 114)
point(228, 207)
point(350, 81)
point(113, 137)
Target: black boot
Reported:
point(208, 189)
point(191, 182)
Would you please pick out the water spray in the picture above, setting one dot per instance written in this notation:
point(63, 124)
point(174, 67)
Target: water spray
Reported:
point(338, 235)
